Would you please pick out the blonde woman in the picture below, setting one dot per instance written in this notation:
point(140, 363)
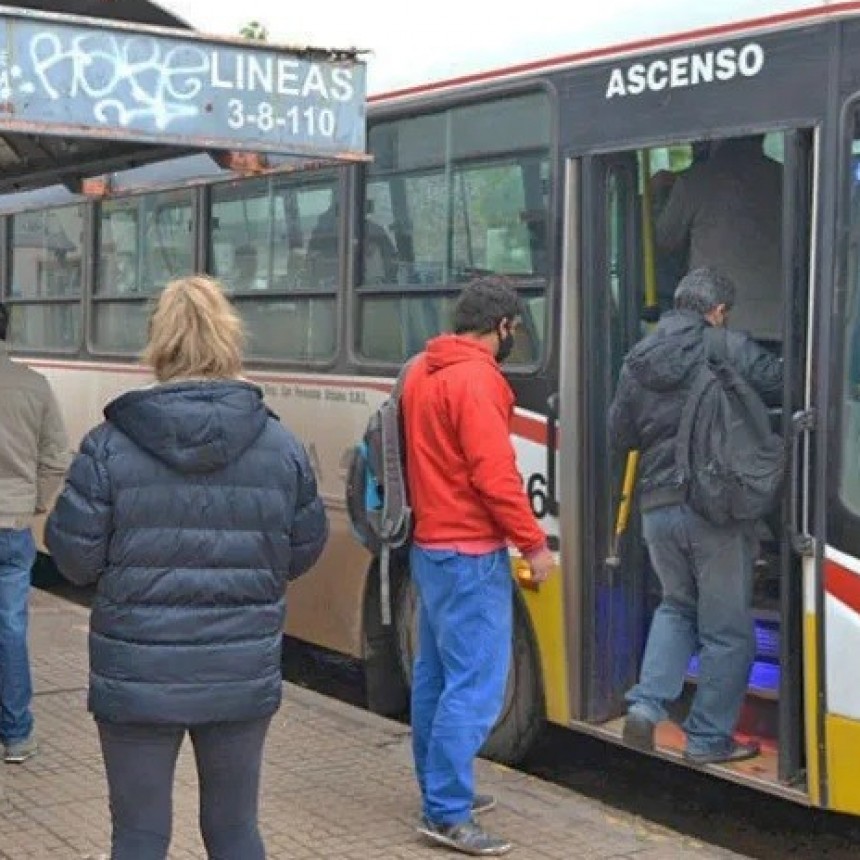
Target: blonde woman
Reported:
point(191, 507)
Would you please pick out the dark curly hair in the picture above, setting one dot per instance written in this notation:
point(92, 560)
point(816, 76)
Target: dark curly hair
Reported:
point(484, 303)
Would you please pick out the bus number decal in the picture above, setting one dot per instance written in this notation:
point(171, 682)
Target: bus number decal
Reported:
point(312, 121)
point(536, 490)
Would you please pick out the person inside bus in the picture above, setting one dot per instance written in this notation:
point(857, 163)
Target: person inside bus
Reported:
point(728, 207)
point(705, 571)
point(323, 249)
point(380, 256)
point(672, 265)
point(190, 507)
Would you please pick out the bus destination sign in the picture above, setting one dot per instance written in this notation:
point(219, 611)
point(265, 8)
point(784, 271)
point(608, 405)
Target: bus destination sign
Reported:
point(102, 81)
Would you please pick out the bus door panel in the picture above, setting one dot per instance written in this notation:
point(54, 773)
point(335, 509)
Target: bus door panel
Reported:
point(798, 147)
point(612, 599)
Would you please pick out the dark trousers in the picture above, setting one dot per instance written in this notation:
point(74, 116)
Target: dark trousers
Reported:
point(140, 761)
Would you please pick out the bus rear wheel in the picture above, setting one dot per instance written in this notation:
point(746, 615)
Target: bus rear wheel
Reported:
point(522, 715)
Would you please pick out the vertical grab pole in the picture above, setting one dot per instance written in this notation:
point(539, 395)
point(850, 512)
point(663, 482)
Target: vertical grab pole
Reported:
point(625, 502)
point(648, 255)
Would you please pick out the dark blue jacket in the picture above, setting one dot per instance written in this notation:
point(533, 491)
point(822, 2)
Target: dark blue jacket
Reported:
point(192, 507)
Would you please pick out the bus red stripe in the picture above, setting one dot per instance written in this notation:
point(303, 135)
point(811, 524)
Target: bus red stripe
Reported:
point(842, 584)
point(529, 428)
point(736, 28)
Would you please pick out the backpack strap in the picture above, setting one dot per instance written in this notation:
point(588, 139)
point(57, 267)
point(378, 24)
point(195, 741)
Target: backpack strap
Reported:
point(703, 379)
point(716, 351)
point(397, 391)
point(392, 531)
point(396, 496)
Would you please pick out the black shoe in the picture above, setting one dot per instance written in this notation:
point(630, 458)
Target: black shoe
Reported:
point(737, 752)
point(467, 838)
point(482, 803)
point(639, 733)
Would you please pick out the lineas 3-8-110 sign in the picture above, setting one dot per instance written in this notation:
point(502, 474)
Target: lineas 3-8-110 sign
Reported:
point(139, 84)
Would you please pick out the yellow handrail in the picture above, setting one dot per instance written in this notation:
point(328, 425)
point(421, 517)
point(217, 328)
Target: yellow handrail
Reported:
point(648, 233)
point(625, 503)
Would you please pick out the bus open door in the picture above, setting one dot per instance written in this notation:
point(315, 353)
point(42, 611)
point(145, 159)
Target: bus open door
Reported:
point(616, 602)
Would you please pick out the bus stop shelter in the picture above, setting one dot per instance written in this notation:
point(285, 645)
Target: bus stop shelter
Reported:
point(89, 87)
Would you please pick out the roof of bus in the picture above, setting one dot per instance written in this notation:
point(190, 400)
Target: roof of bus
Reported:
point(520, 45)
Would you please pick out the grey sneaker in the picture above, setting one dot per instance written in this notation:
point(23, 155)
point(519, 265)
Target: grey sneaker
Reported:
point(21, 751)
point(482, 803)
point(736, 752)
point(467, 838)
point(639, 733)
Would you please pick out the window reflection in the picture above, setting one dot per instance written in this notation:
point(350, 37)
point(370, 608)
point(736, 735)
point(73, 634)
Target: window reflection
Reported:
point(849, 478)
point(452, 196)
point(46, 277)
point(276, 244)
point(144, 243)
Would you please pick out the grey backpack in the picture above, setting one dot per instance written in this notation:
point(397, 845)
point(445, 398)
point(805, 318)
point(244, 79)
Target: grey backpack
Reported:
point(377, 496)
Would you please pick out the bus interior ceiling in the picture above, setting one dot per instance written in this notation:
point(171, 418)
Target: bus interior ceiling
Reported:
point(760, 717)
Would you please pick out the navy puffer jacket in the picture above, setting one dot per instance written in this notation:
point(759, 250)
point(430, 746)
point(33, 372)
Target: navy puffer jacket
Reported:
point(192, 507)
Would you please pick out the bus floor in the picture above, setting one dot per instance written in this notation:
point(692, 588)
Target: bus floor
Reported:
point(759, 716)
point(670, 741)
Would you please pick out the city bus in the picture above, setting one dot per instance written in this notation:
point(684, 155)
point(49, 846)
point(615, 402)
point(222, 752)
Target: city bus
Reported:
point(541, 171)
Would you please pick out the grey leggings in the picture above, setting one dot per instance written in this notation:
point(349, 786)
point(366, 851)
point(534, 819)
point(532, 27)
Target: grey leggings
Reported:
point(140, 761)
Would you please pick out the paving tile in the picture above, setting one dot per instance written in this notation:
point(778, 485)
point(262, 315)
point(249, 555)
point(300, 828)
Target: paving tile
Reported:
point(337, 783)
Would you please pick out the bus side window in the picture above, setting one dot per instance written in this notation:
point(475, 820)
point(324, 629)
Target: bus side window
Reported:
point(45, 278)
point(278, 243)
point(464, 193)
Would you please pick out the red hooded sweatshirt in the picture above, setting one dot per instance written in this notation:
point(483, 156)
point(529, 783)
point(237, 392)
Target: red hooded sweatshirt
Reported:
point(464, 485)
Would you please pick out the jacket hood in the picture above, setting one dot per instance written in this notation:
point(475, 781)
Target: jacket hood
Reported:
point(193, 427)
point(664, 359)
point(448, 349)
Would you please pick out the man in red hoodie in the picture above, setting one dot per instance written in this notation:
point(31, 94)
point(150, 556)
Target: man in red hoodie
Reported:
point(469, 503)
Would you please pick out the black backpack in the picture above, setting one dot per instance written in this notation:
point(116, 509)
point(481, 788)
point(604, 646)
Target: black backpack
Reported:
point(377, 496)
point(729, 458)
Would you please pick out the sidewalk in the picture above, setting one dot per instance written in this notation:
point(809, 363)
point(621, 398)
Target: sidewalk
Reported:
point(337, 783)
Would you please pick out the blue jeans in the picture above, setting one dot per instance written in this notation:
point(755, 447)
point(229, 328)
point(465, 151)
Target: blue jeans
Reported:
point(458, 685)
point(140, 761)
point(17, 554)
point(706, 575)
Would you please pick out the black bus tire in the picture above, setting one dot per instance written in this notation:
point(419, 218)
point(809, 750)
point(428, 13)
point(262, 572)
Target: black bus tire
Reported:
point(523, 712)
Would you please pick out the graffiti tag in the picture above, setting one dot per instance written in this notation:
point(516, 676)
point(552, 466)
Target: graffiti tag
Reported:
point(128, 79)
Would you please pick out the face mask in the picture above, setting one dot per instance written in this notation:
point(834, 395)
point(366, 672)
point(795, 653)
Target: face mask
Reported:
point(506, 346)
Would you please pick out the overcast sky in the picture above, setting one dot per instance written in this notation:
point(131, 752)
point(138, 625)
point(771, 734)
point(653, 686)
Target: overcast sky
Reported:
point(408, 45)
